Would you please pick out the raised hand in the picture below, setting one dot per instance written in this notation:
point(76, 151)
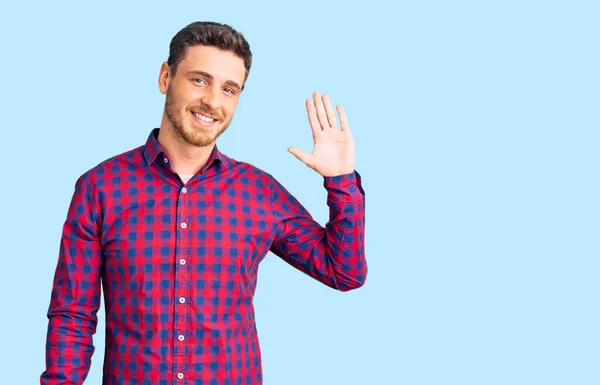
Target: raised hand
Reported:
point(333, 153)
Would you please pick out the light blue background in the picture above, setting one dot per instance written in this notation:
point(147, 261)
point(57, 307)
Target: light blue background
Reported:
point(477, 133)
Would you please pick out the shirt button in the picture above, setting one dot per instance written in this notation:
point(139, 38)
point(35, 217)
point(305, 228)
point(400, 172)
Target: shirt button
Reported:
point(184, 190)
point(183, 225)
point(182, 261)
point(181, 337)
point(181, 300)
point(180, 375)
point(166, 160)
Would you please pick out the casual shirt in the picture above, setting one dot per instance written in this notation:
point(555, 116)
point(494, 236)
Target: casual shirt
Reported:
point(178, 265)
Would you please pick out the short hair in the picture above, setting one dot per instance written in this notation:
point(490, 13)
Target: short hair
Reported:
point(210, 34)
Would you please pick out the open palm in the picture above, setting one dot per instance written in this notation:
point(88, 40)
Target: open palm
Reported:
point(334, 152)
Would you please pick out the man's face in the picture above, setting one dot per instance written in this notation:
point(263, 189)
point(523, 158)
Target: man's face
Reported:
point(203, 94)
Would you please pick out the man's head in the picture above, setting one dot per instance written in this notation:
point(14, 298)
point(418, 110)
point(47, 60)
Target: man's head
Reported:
point(205, 73)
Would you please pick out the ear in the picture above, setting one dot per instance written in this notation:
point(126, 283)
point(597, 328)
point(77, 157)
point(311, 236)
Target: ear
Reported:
point(164, 78)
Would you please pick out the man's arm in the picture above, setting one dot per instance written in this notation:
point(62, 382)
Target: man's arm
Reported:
point(334, 255)
point(75, 295)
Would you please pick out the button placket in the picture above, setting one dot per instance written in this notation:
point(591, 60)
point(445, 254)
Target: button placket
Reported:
point(182, 276)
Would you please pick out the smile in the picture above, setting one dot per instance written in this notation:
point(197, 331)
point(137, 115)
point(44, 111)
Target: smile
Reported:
point(203, 118)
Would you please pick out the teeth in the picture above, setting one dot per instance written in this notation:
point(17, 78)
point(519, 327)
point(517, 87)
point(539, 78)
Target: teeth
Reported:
point(204, 118)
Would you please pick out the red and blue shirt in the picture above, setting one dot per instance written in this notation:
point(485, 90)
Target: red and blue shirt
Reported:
point(178, 266)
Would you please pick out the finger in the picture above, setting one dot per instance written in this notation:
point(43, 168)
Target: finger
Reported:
point(301, 155)
point(343, 118)
point(330, 114)
point(312, 118)
point(320, 111)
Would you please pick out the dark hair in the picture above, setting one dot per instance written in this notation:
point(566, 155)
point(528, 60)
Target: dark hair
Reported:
point(210, 34)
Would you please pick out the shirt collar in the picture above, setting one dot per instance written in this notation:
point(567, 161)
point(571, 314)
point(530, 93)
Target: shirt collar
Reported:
point(152, 149)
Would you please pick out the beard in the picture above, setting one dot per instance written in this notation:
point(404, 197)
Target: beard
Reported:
point(194, 135)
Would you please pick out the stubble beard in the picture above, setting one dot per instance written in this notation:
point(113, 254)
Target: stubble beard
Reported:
point(197, 136)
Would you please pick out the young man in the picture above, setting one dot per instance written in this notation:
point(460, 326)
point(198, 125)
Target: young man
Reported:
point(175, 231)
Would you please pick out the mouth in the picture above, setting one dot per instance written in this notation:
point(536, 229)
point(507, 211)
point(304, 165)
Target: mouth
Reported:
point(203, 120)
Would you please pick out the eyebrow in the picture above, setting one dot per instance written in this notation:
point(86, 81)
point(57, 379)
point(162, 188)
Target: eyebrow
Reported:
point(209, 76)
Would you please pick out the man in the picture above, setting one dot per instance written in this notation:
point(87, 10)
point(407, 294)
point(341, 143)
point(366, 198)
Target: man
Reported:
point(175, 231)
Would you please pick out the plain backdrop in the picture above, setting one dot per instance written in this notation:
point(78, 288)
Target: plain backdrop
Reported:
point(477, 133)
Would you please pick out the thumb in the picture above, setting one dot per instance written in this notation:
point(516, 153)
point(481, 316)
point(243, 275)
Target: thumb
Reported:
point(301, 155)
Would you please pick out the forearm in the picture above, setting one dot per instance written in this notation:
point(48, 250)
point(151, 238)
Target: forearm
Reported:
point(335, 254)
point(344, 244)
point(345, 231)
point(69, 348)
point(72, 317)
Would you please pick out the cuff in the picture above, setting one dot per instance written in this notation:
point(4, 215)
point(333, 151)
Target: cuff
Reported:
point(344, 188)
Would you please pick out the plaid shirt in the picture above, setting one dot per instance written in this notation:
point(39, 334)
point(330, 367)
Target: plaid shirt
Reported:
point(178, 265)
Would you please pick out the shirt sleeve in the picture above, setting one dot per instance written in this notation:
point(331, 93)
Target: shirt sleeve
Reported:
point(75, 297)
point(334, 254)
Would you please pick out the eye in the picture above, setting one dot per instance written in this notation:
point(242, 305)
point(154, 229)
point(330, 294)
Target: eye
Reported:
point(229, 90)
point(198, 80)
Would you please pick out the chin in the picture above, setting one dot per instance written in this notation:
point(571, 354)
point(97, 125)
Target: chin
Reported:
point(201, 141)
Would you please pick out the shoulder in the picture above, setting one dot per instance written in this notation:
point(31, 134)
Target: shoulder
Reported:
point(112, 169)
point(255, 177)
point(251, 171)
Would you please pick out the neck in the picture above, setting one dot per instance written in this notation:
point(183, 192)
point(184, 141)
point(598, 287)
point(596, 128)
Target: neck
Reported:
point(185, 158)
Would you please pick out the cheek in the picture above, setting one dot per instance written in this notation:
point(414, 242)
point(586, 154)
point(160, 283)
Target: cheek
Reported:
point(182, 97)
point(229, 108)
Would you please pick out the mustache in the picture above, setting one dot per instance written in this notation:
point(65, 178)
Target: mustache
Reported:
point(202, 110)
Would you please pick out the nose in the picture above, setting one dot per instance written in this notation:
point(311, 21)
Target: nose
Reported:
point(211, 98)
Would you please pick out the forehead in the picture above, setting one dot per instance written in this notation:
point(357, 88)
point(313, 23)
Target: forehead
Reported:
point(222, 65)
